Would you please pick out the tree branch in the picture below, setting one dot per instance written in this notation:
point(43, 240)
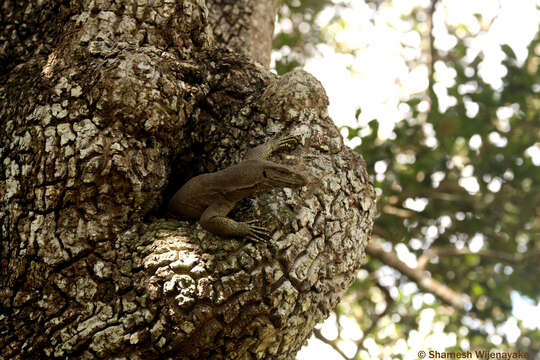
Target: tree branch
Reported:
point(389, 303)
point(449, 251)
point(399, 212)
point(431, 59)
point(331, 343)
point(417, 275)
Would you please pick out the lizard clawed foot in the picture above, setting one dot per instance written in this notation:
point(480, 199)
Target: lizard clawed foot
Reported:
point(285, 142)
point(257, 233)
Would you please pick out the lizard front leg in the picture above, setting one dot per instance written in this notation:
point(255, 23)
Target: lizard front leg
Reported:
point(263, 151)
point(214, 220)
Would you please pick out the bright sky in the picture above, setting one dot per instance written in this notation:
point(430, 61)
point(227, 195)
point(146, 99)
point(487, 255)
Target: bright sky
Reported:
point(380, 75)
point(379, 78)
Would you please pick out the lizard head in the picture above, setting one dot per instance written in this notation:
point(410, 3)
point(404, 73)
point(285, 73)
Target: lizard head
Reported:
point(283, 176)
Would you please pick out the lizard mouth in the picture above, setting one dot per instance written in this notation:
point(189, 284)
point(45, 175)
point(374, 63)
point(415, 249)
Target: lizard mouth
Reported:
point(285, 177)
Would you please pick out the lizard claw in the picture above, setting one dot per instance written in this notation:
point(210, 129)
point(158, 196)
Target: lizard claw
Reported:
point(257, 233)
point(286, 141)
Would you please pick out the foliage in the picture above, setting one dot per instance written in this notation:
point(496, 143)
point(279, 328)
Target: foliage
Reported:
point(298, 32)
point(459, 189)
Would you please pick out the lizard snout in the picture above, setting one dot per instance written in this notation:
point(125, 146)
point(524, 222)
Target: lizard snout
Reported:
point(285, 177)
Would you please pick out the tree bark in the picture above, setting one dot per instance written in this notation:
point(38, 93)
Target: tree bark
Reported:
point(107, 108)
point(246, 26)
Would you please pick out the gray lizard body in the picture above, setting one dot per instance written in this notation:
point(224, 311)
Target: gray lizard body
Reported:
point(210, 197)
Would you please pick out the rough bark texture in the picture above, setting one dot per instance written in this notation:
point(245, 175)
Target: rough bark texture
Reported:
point(246, 26)
point(107, 108)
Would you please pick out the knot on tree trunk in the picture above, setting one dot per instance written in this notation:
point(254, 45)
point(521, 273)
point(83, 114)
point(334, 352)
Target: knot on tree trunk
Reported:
point(269, 295)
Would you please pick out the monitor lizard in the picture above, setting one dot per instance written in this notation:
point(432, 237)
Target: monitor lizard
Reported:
point(210, 197)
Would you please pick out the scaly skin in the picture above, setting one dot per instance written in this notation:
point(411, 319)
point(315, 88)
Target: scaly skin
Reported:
point(210, 197)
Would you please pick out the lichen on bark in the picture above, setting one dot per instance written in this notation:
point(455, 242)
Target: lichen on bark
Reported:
point(107, 107)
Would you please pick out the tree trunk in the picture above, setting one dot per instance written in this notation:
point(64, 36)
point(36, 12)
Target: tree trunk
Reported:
point(107, 108)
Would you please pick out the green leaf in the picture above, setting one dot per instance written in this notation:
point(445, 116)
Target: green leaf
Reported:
point(508, 51)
